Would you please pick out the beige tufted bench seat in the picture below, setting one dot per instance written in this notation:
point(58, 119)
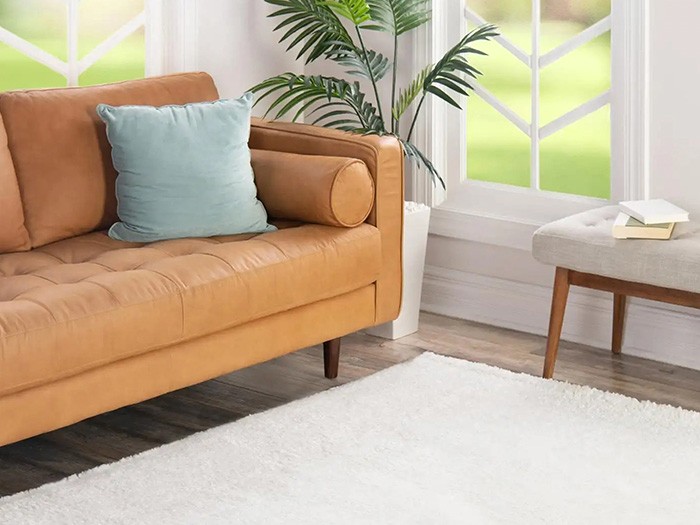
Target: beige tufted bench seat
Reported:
point(584, 252)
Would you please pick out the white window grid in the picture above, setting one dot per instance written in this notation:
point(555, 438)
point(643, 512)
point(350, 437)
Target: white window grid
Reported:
point(74, 66)
point(536, 62)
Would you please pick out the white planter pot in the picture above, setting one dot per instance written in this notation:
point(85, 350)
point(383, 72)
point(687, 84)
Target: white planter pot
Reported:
point(415, 240)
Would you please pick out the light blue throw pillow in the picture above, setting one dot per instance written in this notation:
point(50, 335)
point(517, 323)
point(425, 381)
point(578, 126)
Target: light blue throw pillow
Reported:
point(183, 171)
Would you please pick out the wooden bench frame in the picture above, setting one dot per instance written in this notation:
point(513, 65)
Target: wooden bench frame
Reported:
point(564, 278)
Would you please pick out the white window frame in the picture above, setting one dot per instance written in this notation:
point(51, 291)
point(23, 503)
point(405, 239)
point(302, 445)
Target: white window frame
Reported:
point(176, 45)
point(507, 215)
point(171, 36)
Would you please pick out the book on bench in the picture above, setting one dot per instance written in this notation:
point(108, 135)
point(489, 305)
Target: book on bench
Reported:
point(626, 227)
point(654, 211)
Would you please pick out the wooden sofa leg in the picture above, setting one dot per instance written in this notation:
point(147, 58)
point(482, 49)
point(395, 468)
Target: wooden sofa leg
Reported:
point(331, 358)
point(619, 305)
point(560, 293)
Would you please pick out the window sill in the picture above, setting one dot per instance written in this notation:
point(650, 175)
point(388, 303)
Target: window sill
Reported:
point(502, 215)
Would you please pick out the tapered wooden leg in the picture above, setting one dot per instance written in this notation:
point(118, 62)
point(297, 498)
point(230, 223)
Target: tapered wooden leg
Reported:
point(556, 319)
point(619, 305)
point(331, 358)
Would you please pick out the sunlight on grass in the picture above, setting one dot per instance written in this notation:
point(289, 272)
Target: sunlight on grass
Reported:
point(575, 160)
point(125, 62)
point(24, 72)
point(43, 23)
point(497, 151)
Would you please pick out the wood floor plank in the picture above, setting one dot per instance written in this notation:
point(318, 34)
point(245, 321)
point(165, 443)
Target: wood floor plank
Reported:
point(130, 430)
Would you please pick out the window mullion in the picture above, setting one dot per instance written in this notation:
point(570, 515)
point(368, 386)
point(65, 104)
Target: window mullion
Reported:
point(73, 27)
point(154, 34)
point(535, 94)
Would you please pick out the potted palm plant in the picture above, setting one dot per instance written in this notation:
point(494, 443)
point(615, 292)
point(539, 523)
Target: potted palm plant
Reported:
point(334, 30)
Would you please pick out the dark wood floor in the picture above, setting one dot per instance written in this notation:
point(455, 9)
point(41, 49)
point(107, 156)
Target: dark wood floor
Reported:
point(125, 432)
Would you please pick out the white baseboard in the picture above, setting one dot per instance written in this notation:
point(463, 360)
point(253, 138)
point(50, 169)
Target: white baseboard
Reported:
point(653, 330)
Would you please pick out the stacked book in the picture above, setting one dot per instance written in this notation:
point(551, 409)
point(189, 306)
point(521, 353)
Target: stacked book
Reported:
point(648, 219)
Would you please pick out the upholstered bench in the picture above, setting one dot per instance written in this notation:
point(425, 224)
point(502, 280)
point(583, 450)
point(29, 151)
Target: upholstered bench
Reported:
point(584, 252)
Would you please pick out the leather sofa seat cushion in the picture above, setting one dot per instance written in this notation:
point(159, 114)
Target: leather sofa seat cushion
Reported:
point(61, 154)
point(337, 191)
point(91, 300)
point(13, 234)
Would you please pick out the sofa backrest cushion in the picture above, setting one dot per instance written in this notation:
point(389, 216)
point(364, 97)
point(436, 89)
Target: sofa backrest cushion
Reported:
point(61, 153)
point(13, 234)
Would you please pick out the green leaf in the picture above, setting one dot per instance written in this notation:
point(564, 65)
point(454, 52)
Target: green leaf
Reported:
point(312, 27)
point(357, 11)
point(408, 95)
point(454, 86)
point(375, 66)
point(456, 60)
point(441, 94)
point(343, 100)
point(398, 16)
point(413, 153)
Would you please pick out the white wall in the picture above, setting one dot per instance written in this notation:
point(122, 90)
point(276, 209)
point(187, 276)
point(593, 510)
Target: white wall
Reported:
point(675, 104)
point(505, 286)
point(236, 44)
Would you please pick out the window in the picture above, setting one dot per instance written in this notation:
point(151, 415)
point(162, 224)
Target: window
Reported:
point(50, 43)
point(542, 117)
point(588, 92)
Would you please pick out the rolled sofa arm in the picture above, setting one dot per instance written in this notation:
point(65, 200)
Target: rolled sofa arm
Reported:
point(383, 157)
point(336, 191)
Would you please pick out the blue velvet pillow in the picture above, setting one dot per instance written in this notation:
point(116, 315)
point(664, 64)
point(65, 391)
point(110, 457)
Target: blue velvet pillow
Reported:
point(183, 171)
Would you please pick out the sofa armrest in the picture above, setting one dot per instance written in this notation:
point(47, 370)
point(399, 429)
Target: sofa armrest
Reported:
point(383, 157)
point(335, 191)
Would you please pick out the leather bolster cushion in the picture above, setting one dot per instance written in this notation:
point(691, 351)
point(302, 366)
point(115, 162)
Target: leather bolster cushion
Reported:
point(334, 191)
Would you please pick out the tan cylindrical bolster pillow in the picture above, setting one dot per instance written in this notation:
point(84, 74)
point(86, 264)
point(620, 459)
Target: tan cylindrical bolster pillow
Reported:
point(336, 191)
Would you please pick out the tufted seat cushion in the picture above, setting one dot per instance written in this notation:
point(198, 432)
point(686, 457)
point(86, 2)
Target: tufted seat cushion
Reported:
point(90, 300)
point(584, 242)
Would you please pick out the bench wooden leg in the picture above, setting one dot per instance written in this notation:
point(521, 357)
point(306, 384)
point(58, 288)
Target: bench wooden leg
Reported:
point(619, 304)
point(560, 293)
point(331, 358)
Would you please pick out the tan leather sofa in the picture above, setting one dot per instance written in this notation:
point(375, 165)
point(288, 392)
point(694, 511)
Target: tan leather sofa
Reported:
point(89, 324)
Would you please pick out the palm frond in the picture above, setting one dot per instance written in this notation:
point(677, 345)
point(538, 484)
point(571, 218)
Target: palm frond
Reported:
point(408, 95)
point(375, 66)
point(346, 107)
point(312, 27)
point(446, 75)
point(398, 16)
point(366, 63)
point(411, 152)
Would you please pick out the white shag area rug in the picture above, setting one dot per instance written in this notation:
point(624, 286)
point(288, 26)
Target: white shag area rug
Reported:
point(434, 440)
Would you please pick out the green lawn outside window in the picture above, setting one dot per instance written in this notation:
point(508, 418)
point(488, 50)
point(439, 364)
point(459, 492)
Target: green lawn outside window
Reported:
point(43, 23)
point(575, 160)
